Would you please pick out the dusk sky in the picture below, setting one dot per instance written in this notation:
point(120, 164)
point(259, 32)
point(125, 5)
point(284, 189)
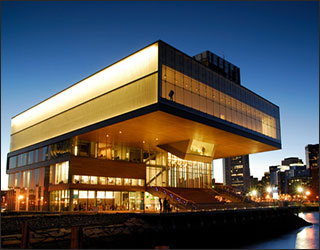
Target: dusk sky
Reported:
point(48, 46)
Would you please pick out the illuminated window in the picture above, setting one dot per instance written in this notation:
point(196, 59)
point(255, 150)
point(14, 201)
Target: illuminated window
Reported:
point(101, 194)
point(127, 181)
point(135, 182)
point(109, 195)
point(62, 172)
point(218, 103)
point(83, 194)
point(76, 179)
point(91, 194)
point(141, 182)
point(26, 178)
point(94, 180)
point(102, 180)
point(111, 181)
point(17, 180)
point(118, 181)
point(84, 179)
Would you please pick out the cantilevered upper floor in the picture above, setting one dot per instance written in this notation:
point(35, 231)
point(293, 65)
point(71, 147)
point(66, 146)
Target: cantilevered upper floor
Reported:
point(159, 98)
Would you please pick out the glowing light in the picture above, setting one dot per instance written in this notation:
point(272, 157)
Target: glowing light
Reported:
point(76, 150)
point(145, 62)
point(20, 197)
point(254, 192)
point(300, 189)
point(120, 132)
point(269, 189)
point(308, 193)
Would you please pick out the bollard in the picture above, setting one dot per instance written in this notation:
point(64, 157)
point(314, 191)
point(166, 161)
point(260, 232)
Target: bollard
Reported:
point(25, 237)
point(76, 238)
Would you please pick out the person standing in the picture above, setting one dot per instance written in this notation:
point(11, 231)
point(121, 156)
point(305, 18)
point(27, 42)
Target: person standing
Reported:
point(165, 205)
point(160, 205)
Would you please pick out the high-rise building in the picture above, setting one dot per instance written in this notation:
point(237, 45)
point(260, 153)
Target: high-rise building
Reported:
point(273, 175)
point(291, 160)
point(236, 172)
point(288, 174)
point(312, 160)
point(312, 155)
point(156, 118)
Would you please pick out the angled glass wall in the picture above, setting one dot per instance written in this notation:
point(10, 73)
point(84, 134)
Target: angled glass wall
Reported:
point(188, 82)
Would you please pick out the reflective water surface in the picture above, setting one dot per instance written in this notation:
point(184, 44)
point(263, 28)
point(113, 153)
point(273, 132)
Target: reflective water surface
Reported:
point(302, 238)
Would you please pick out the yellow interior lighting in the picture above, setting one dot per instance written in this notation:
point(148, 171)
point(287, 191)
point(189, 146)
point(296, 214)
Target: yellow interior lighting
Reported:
point(127, 70)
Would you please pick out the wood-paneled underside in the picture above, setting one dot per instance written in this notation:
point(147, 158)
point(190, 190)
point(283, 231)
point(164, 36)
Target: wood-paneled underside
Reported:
point(107, 168)
point(158, 128)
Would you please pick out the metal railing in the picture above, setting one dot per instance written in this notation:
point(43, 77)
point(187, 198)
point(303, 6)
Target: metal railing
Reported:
point(176, 199)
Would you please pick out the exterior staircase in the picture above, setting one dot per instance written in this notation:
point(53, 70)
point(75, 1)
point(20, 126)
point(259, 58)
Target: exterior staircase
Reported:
point(229, 194)
point(174, 199)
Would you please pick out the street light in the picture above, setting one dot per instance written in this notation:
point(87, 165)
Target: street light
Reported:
point(300, 189)
point(254, 192)
point(269, 189)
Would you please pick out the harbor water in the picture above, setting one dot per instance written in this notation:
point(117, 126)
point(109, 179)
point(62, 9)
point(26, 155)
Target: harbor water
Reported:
point(302, 238)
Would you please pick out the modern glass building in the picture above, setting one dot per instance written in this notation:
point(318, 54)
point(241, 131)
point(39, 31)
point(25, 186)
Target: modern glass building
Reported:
point(155, 118)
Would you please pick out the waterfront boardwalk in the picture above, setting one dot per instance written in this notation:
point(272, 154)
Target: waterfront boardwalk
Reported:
point(195, 229)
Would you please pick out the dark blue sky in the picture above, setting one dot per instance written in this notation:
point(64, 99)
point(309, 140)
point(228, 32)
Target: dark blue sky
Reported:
point(48, 46)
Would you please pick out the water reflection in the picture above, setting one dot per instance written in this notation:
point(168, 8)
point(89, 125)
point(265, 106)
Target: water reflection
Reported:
point(303, 238)
point(308, 237)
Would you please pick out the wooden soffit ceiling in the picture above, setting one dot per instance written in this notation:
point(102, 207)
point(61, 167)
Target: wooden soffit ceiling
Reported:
point(160, 128)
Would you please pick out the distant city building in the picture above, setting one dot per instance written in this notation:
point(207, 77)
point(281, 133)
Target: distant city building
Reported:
point(273, 175)
point(299, 181)
point(265, 180)
point(282, 182)
point(254, 183)
point(291, 168)
point(291, 160)
point(236, 172)
point(312, 160)
point(312, 155)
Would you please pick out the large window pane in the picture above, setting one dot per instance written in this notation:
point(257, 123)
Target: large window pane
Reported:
point(30, 157)
point(62, 172)
point(12, 162)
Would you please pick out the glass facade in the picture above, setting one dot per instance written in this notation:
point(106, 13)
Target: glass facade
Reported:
point(84, 179)
point(188, 174)
point(30, 157)
point(92, 200)
point(212, 99)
